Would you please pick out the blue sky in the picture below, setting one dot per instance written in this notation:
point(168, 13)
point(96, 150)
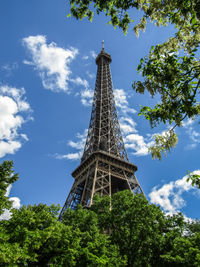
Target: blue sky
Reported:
point(47, 71)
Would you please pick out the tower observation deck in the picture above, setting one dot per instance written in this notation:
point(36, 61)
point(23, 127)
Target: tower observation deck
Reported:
point(104, 168)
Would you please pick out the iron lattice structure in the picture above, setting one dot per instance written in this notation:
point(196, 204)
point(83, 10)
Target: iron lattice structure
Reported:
point(105, 168)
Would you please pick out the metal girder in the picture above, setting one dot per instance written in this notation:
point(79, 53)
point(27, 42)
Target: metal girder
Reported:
point(103, 176)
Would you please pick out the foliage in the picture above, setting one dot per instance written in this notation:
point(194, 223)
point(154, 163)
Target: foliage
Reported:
point(163, 143)
point(172, 69)
point(124, 230)
point(174, 78)
point(182, 13)
point(25, 234)
point(193, 227)
point(7, 177)
point(134, 225)
point(132, 233)
point(34, 236)
point(177, 80)
point(96, 248)
point(185, 252)
point(144, 234)
point(195, 179)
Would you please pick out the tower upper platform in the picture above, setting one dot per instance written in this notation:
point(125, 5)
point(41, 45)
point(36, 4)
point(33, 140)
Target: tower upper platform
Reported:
point(103, 56)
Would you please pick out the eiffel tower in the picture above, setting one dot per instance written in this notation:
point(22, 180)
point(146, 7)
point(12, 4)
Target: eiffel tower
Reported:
point(104, 168)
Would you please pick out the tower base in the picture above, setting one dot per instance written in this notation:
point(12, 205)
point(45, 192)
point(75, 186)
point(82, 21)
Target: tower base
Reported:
point(101, 173)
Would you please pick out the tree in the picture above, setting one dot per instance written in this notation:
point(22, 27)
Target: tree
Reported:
point(23, 236)
point(166, 72)
point(137, 228)
point(7, 177)
point(124, 230)
point(144, 234)
point(96, 248)
point(34, 237)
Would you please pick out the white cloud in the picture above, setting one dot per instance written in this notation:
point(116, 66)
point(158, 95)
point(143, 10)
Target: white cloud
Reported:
point(90, 75)
point(85, 57)
point(79, 145)
point(13, 105)
point(86, 97)
point(27, 62)
point(52, 62)
point(137, 143)
point(25, 137)
point(17, 95)
point(8, 190)
point(169, 196)
point(93, 54)
point(9, 67)
point(16, 204)
point(194, 136)
point(188, 122)
point(190, 146)
point(161, 196)
point(70, 156)
point(122, 102)
point(9, 147)
point(134, 142)
point(127, 125)
point(126, 129)
point(80, 81)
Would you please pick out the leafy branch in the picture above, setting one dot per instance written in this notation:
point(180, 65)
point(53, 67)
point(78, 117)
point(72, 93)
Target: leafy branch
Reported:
point(166, 72)
point(177, 81)
point(194, 178)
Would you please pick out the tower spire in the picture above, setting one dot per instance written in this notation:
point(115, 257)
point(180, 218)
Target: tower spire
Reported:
point(105, 168)
point(103, 45)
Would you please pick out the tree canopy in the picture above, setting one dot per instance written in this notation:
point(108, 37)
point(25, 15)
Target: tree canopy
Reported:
point(132, 233)
point(124, 230)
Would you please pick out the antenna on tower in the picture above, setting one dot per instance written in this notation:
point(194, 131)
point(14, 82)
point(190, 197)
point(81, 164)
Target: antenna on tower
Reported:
point(103, 45)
